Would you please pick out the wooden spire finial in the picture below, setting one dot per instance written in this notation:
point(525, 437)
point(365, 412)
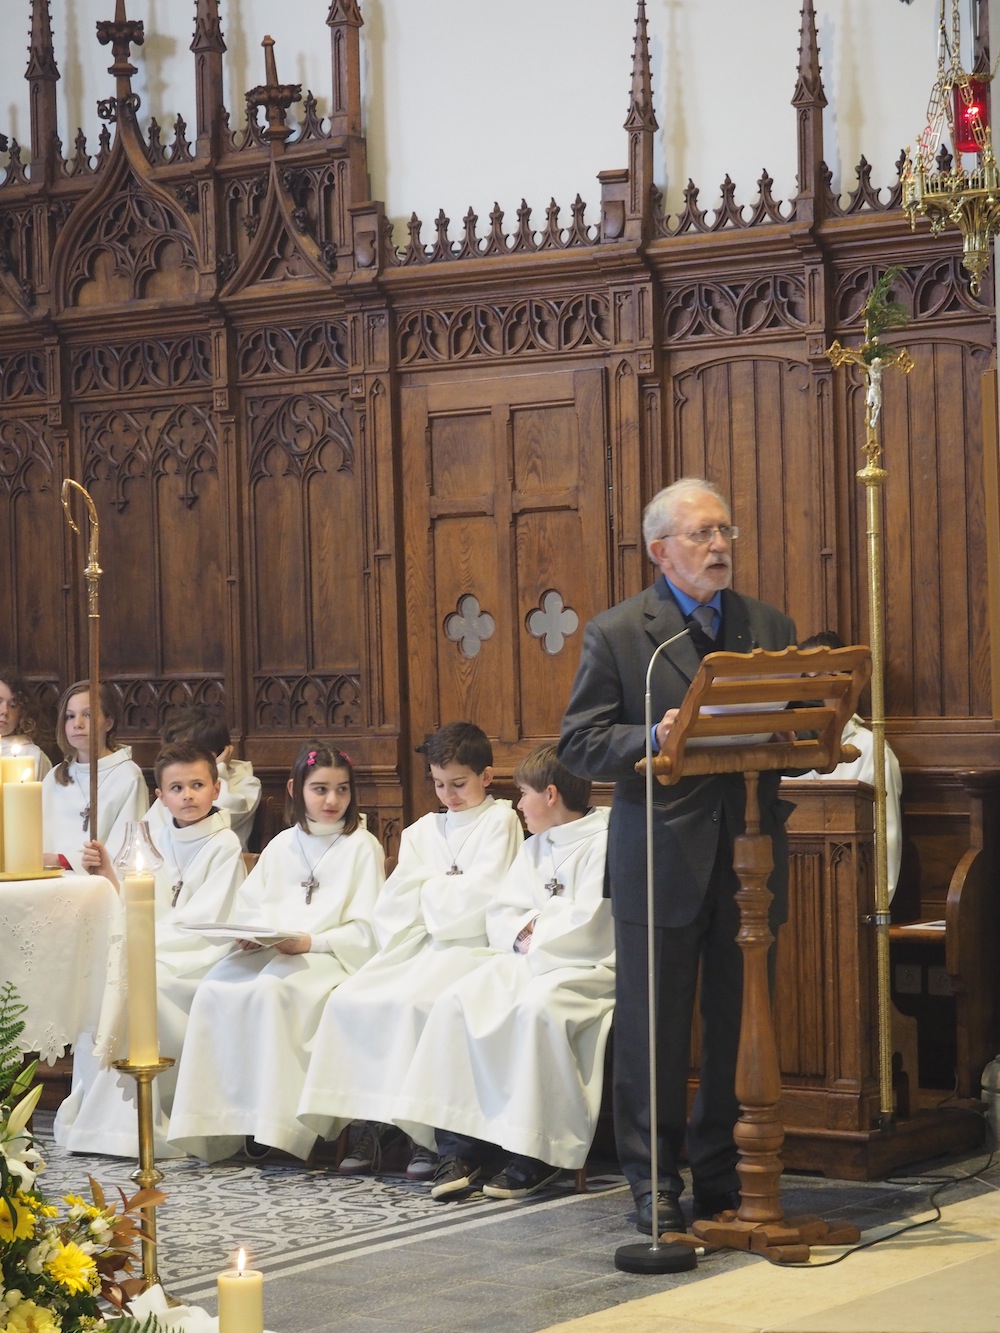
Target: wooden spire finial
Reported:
point(274, 97)
point(809, 99)
point(640, 112)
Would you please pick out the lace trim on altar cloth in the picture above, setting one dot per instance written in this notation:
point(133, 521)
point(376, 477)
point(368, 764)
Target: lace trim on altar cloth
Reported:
point(65, 959)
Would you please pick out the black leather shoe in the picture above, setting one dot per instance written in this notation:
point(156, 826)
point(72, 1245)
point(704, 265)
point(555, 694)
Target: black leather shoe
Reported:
point(708, 1206)
point(668, 1214)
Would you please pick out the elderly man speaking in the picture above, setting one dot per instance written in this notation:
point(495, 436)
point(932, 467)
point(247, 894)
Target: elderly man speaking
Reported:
point(689, 534)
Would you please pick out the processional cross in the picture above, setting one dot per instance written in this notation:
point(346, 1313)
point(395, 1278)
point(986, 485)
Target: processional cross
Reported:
point(872, 359)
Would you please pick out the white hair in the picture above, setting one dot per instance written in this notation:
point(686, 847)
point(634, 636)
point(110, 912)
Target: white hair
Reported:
point(660, 515)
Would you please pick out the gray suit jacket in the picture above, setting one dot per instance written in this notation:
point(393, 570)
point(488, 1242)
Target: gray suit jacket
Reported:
point(603, 736)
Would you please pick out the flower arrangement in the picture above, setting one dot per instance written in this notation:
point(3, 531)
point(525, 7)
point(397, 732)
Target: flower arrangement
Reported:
point(56, 1265)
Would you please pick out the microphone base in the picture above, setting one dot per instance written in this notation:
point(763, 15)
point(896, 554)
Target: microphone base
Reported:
point(643, 1257)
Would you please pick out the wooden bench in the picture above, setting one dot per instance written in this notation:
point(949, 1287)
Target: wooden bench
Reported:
point(945, 935)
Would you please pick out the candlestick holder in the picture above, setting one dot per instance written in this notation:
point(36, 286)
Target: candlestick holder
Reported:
point(146, 1175)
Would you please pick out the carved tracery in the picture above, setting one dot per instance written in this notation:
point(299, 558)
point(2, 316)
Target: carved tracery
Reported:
point(126, 246)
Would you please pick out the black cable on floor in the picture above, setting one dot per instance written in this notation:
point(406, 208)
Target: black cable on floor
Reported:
point(942, 1183)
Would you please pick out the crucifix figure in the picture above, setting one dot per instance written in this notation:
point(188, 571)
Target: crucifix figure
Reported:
point(310, 885)
point(873, 357)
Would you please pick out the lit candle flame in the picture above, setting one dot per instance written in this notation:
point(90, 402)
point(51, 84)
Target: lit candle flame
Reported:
point(241, 1260)
point(25, 776)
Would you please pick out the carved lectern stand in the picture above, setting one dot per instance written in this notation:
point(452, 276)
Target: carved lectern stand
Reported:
point(750, 713)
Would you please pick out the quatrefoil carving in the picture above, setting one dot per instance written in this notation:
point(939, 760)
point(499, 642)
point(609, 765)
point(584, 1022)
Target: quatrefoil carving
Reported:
point(552, 622)
point(469, 626)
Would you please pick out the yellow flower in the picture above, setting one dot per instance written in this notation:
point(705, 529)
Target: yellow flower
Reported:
point(73, 1269)
point(31, 1318)
point(17, 1226)
point(79, 1207)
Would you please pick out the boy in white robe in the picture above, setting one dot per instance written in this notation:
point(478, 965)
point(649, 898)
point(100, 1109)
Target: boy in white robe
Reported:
point(239, 789)
point(197, 882)
point(255, 1015)
point(122, 794)
point(513, 1053)
point(431, 923)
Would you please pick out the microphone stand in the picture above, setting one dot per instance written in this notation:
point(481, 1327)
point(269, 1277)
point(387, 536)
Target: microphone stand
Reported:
point(654, 1257)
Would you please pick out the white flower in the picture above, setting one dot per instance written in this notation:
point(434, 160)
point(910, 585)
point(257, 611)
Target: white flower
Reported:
point(37, 1256)
point(100, 1230)
point(12, 1298)
point(24, 1164)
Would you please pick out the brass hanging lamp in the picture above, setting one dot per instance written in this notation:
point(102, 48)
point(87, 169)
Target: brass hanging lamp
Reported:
point(935, 183)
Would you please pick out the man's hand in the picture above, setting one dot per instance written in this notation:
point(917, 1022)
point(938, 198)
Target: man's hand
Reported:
point(663, 726)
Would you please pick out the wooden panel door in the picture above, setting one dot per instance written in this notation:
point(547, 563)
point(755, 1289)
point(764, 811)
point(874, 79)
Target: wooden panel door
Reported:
point(505, 515)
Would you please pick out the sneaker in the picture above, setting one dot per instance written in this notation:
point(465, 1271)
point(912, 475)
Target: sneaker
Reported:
point(453, 1176)
point(254, 1150)
point(520, 1177)
point(423, 1164)
point(364, 1149)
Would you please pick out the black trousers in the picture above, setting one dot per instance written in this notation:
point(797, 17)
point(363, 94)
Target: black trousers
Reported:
point(709, 940)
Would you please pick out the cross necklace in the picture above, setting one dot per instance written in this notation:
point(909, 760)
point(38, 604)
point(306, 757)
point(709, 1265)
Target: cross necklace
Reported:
point(311, 883)
point(455, 868)
point(85, 812)
point(555, 885)
point(175, 889)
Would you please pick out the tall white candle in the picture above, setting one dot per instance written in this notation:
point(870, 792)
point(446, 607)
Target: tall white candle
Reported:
point(22, 827)
point(241, 1299)
point(140, 942)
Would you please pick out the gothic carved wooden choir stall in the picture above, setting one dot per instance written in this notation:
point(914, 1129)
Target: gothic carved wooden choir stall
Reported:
point(359, 483)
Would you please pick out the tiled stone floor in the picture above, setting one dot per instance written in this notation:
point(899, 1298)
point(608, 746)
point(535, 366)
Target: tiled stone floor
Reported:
point(376, 1253)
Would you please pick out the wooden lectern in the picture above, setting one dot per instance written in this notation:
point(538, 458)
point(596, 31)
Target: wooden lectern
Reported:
point(750, 713)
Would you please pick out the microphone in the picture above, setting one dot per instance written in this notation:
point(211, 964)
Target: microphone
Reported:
point(649, 669)
point(650, 954)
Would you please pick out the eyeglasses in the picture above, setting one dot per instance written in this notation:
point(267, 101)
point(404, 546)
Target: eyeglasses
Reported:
point(728, 533)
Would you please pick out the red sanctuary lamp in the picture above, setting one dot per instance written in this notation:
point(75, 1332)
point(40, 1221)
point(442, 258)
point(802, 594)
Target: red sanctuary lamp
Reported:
point(971, 109)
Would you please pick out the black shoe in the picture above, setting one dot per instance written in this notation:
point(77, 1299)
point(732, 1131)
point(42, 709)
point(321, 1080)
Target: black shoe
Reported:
point(520, 1177)
point(453, 1176)
point(254, 1150)
point(708, 1206)
point(668, 1214)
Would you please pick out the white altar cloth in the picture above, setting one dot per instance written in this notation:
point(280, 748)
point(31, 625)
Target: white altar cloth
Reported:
point(54, 939)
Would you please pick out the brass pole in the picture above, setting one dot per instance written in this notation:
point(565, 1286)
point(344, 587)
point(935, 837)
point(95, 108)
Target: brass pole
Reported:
point(872, 358)
point(873, 478)
point(92, 577)
point(147, 1175)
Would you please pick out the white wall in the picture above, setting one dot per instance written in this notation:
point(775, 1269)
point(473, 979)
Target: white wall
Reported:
point(461, 110)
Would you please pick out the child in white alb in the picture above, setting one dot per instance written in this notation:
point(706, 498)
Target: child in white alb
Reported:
point(512, 1055)
point(431, 923)
point(18, 723)
point(122, 794)
point(254, 1017)
point(239, 789)
point(197, 882)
